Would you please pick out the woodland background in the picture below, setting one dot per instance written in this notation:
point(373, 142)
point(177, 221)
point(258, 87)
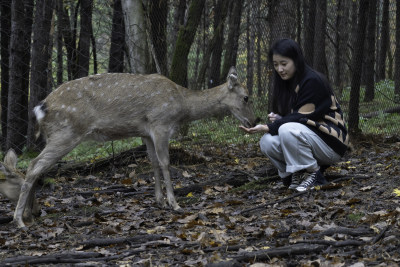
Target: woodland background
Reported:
point(194, 42)
point(101, 211)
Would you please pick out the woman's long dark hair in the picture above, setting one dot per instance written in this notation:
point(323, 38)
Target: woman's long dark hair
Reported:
point(283, 91)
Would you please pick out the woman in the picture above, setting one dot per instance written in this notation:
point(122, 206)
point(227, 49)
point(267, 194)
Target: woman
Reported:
point(307, 128)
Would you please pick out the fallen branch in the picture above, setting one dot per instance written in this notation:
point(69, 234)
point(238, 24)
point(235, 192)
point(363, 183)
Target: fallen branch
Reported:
point(344, 243)
point(297, 249)
point(347, 231)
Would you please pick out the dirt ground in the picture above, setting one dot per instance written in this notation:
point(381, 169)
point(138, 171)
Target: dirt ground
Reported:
point(235, 213)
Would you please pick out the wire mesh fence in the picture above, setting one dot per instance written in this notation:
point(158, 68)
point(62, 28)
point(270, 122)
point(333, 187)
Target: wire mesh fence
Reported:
point(87, 37)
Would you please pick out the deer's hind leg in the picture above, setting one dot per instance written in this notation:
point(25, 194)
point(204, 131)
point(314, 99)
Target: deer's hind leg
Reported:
point(57, 146)
point(156, 169)
point(161, 141)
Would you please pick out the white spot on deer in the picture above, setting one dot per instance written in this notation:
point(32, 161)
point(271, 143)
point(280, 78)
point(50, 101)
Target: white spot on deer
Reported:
point(68, 88)
point(62, 106)
point(79, 94)
point(91, 83)
point(39, 113)
point(100, 84)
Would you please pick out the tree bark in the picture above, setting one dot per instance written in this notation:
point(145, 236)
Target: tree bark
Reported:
point(158, 11)
point(250, 41)
point(116, 60)
point(84, 38)
point(309, 31)
point(17, 117)
point(233, 38)
point(319, 39)
point(357, 62)
point(397, 55)
point(135, 35)
point(41, 54)
point(178, 72)
point(5, 27)
point(370, 53)
point(384, 42)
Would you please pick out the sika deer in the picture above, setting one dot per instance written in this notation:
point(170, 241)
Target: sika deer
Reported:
point(119, 105)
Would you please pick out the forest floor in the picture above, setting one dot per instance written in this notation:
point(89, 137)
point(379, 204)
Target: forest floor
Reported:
point(235, 213)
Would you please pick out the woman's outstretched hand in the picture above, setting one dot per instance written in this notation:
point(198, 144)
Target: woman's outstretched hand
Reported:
point(256, 129)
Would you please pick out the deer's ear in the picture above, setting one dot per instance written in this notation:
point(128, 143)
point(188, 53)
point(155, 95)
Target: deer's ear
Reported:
point(232, 78)
point(10, 160)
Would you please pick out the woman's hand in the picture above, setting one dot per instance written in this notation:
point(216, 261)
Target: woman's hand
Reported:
point(256, 129)
point(273, 117)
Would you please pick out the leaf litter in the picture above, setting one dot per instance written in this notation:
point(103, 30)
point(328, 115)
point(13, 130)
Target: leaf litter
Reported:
point(235, 213)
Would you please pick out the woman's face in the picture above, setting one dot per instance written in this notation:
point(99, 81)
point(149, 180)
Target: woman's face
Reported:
point(284, 66)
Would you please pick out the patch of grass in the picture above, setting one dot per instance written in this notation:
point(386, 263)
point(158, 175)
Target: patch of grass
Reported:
point(355, 217)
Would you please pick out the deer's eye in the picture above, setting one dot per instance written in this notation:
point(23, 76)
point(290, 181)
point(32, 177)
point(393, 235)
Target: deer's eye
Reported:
point(246, 99)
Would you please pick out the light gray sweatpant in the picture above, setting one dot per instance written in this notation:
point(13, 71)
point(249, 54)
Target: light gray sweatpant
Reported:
point(296, 148)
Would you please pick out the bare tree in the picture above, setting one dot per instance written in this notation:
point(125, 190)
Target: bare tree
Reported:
point(41, 52)
point(397, 55)
point(116, 60)
point(383, 42)
point(233, 37)
point(250, 40)
point(309, 30)
point(135, 35)
point(369, 67)
point(84, 38)
point(357, 62)
point(178, 71)
point(319, 38)
point(17, 117)
point(5, 27)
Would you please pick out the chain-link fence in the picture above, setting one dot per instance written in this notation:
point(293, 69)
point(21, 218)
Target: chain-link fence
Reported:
point(47, 42)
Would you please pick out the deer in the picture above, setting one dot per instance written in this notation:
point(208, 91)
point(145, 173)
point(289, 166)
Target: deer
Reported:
point(114, 106)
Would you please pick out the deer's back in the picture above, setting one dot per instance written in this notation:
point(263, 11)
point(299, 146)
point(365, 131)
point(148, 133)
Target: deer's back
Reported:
point(117, 105)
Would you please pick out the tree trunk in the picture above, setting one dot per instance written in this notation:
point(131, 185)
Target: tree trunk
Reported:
point(41, 54)
point(397, 56)
point(370, 53)
point(135, 35)
point(250, 40)
point(178, 72)
point(309, 31)
point(221, 9)
point(158, 11)
point(116, 61)
point(233, 38)
point(282, 17)
point(5, 27)
point(341, 54)
point(17, 117)
point(384, 42)
point(59, 43)
point(319, 39)
point(179, 21)
point(214, 49)
point(84, 38)
point(357, 62)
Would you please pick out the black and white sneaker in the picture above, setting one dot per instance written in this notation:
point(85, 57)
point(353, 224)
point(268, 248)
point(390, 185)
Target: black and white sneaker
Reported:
point(310, 180)
point(297, 177)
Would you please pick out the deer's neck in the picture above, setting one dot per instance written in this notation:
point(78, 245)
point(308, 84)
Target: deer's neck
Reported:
point(206, 103)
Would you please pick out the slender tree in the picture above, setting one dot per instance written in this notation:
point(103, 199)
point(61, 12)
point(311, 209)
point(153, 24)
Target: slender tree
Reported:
point(135, 35)
point(178, 72)
point(370, 53)
point(17, 116)
point(309, 30)
point(5, 26)
point(84, 38)
point(41, 54)
point(158, 11)
point(233, 38)
point(383, 42)
point(319, 57)
point(357, 62)
point(116, 60)
point(250, 40)
point(220, 13)
point(397, 55)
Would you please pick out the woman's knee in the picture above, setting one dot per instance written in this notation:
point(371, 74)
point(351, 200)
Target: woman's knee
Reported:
point(268, 144)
